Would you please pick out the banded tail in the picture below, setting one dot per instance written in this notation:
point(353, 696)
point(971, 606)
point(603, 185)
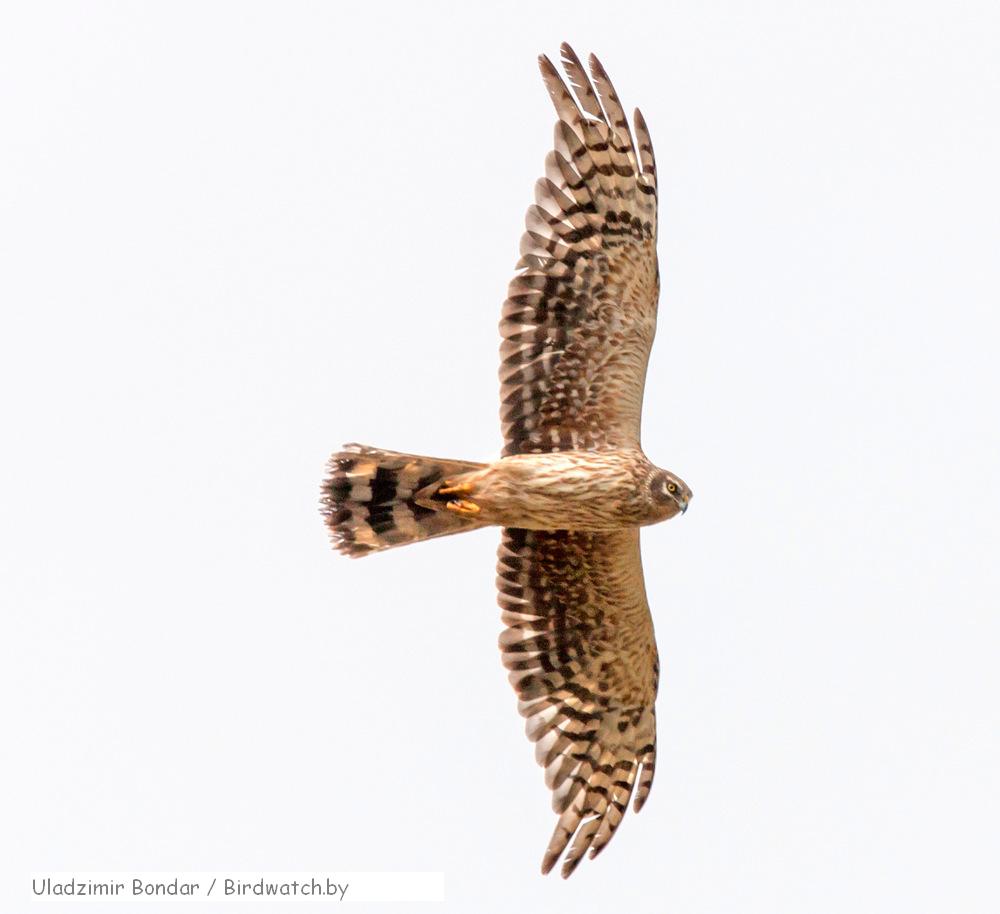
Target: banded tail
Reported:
point(374, 499)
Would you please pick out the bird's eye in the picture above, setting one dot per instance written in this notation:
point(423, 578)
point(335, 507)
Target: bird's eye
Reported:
point(671, 487)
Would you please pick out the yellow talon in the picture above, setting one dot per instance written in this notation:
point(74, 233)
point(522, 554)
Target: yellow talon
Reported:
point(461, 506)
point(449, 488)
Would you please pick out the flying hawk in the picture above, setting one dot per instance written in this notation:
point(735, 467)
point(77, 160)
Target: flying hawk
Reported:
point(572, 486)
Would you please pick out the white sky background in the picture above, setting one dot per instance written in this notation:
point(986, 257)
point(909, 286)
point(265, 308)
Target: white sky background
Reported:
point(235, 236)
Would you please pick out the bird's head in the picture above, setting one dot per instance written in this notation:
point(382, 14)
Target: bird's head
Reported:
point(671, 494)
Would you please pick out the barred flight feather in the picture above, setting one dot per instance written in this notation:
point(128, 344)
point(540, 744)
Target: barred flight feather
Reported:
point(581, 656)
point(580, 315)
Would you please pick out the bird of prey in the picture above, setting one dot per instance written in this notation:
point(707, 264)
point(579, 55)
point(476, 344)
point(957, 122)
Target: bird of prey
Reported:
point(572, 487)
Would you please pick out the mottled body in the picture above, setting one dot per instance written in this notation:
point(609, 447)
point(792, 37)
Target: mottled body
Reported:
point(573, 486)
point(568, 490)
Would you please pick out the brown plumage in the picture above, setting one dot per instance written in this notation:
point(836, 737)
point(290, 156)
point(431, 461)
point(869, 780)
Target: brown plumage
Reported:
point(572, 486)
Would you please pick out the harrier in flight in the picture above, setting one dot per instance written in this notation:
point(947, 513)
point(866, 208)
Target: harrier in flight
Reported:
point(572, 487)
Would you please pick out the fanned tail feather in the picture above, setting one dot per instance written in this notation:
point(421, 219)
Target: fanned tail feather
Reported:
point(370, 499)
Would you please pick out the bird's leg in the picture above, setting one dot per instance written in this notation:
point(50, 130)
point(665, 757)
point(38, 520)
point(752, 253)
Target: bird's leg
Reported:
point(452, 487)
point(463, 507)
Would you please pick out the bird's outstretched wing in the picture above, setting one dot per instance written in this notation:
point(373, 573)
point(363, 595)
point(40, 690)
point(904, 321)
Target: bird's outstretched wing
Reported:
point(580, 316)
point(580, 650)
